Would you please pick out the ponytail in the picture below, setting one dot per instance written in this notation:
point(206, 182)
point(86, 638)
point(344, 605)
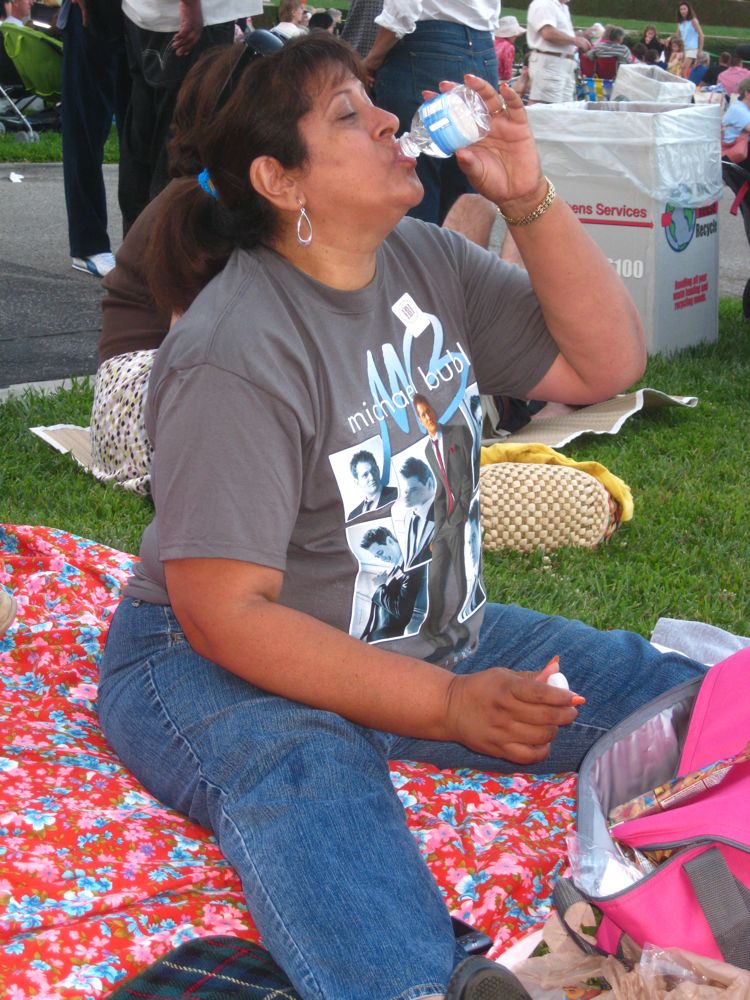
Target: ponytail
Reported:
point(185, 249)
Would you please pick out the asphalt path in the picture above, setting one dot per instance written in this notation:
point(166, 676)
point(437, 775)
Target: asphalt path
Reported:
point(50, 315)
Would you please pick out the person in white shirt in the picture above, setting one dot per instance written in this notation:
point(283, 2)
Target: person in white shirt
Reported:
point(553, 44)
point(291, 20)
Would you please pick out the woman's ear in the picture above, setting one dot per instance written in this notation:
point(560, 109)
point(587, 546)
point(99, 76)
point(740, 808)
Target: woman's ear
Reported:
point(274, 183)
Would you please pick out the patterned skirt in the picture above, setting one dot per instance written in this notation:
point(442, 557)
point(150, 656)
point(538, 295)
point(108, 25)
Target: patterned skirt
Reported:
point(120, 449)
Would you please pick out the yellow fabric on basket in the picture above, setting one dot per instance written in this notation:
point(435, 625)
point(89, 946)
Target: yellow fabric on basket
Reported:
point(541, 454)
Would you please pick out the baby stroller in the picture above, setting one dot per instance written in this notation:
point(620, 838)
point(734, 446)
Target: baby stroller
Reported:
point(33, 104)
point(737, 178)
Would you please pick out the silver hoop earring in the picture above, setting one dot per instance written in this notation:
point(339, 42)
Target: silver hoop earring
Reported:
point(302, 222)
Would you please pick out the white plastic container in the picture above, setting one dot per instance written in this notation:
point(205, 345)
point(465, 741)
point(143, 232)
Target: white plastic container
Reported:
point(645, 180)
point(638, 82)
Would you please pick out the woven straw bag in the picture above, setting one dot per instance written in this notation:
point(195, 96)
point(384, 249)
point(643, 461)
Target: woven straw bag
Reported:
point(527, 507)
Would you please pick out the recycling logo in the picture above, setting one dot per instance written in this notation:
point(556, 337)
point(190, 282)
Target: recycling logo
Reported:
point(678, 224)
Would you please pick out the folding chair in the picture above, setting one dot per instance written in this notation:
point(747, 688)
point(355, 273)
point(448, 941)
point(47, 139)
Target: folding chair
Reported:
point(606, 71)
point(588, 65)
point(588, 77)
point(37, 59)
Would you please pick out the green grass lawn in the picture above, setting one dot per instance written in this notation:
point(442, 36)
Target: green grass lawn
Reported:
point(48, 149)
point(685, 554)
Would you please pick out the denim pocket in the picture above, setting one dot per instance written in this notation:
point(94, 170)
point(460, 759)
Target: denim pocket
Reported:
point(428, 69)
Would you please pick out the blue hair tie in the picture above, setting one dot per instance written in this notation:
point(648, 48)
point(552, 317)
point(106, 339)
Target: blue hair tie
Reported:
point(204, 179)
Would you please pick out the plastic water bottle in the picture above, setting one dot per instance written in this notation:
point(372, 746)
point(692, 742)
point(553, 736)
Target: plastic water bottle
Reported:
point(446, 123)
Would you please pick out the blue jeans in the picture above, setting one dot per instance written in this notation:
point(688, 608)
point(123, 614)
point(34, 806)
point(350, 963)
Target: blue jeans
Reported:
point(435, 51)
point(300, 800)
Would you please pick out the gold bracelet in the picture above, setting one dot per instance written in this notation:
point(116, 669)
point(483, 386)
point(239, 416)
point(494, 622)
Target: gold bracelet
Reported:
point(540, 209)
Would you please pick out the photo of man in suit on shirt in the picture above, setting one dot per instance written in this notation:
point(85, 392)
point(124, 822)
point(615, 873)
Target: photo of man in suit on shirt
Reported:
point(398, 601)
point(449, 453)
point(366, 474)
point(473, 550)
point(413, 514)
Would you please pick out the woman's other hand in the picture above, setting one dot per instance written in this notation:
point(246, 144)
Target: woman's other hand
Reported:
point(505, 713)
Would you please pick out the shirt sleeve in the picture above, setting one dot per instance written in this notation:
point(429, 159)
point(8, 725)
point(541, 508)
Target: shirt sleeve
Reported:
point(511, 346)
point(227, 472)
point(505, 62)
point(540, 17)
point(400, 16)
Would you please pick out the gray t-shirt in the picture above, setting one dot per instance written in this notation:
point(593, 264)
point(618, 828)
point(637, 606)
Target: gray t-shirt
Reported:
point(283, 419)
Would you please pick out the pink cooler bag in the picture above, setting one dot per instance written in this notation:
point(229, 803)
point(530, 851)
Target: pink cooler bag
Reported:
point(699, 898)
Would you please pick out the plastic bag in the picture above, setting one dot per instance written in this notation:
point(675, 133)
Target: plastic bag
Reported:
point(638, 82)
point(671, 153)
point(599, 870)
point(653, 974)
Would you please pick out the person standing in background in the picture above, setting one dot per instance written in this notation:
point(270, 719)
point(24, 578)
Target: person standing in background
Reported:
point(359, 28)
point(553, 44)
point(507, 33)
point(416, 46)
point(163, 38)
point(691, 34)
point(95, 88)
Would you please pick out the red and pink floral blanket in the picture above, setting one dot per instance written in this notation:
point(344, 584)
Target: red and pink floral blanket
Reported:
point(97, 879)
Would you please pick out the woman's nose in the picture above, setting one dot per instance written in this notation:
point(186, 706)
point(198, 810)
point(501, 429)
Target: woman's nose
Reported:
point(386, 123)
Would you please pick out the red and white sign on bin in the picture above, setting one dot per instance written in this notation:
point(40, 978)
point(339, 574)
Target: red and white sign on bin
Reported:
point(645, 180)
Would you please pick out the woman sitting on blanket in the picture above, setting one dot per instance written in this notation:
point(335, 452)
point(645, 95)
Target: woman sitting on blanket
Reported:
point(234, 683)
point(133, 327)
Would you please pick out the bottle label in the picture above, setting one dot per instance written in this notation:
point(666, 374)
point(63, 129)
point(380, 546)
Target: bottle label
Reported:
point(439, 118)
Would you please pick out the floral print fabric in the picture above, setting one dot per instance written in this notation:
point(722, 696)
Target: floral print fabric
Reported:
point(97, 879)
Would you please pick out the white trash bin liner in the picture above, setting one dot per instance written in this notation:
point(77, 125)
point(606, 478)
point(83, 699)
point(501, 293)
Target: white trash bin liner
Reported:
point(645, 179)
point(638, 82)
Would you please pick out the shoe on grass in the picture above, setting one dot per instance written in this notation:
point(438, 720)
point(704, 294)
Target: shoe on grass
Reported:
point(7, 610)
point(478, 978)
point(97, 264)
